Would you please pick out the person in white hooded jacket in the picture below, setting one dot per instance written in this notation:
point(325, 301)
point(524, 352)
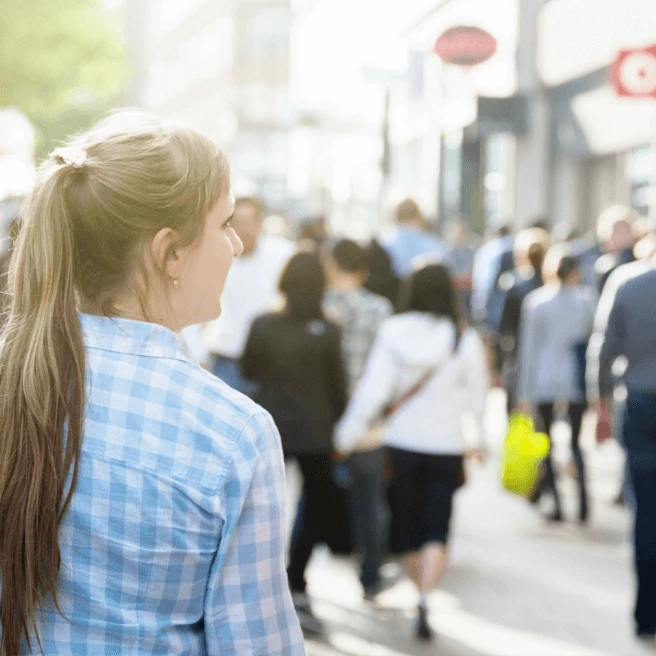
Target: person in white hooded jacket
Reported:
point(425, 435)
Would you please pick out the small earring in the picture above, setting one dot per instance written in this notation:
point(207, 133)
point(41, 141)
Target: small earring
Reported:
point(175, 283)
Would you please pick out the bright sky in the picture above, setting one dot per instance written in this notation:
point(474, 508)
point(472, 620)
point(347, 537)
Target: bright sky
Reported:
point(337, 37)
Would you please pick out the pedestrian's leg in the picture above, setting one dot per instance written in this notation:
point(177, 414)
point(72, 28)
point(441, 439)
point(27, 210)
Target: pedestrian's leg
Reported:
point(440, 475)
point(412, 566)
point(432, 564)
point(576, 412)
point(439, 480)
point(545, 416)
point(406, 503)
point(316, 470)
point(644, 481)
point(639, 433)
point(298, 521)
point(369, 514)
point(626, 496)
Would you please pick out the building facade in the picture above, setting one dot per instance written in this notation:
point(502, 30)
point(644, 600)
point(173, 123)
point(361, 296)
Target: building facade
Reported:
point(454, 164)
point(601, 146)
point(223, 66)
point(536, 132)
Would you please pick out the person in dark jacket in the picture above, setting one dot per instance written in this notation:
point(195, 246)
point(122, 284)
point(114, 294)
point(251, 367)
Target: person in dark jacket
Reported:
point(625, 327)
point(382, 280)
point(529, 250)
point(296, 356)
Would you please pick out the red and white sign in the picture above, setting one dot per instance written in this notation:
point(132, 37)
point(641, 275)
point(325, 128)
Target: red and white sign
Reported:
point(633, 73)
point(465, 46)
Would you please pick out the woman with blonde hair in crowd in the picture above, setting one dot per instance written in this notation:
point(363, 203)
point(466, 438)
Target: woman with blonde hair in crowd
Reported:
point(135, 487)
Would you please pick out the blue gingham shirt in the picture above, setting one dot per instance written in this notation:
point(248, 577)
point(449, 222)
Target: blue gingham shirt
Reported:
point(174, 542)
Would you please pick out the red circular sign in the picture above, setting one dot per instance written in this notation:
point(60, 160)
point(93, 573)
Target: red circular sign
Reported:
point(634, 73)
point(465, 46)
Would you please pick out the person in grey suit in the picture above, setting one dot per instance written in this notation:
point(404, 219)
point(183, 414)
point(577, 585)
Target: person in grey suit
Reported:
point(556, 323)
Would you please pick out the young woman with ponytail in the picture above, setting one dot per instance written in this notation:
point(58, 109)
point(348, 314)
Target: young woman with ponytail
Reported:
point(141, 499)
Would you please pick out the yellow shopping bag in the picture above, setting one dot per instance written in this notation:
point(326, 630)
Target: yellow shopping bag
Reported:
point(523, 452)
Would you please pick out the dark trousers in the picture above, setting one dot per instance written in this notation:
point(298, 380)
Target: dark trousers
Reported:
point(639, 435)
point(368, 512)
point(313, 524)
point(575, 412)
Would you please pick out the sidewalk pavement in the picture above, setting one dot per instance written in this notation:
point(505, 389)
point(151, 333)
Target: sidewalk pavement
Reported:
point(515, 585)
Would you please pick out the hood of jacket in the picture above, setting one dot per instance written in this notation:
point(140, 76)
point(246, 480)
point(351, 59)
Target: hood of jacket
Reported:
point(419, 339)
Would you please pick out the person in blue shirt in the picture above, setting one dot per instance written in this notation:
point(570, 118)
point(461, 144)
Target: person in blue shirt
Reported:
point(141, 498)
point(409, 239)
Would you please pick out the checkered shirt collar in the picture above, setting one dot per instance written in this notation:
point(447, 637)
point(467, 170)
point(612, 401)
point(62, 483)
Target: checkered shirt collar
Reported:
point(134, 337)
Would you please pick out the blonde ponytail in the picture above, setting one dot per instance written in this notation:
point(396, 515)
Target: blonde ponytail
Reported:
point(79, 245)
point(41, 389)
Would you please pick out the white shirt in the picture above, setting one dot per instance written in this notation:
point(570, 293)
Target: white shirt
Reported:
point(408, 346)
point(251, 289)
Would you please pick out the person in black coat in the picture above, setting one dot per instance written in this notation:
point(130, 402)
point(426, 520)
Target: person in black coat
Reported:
point(382, 280)
point(296, 357)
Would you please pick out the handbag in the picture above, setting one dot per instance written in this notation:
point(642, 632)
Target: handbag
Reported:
point(523, 453)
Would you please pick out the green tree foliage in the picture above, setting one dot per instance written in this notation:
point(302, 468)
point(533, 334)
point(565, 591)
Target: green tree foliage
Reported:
point(62, 62)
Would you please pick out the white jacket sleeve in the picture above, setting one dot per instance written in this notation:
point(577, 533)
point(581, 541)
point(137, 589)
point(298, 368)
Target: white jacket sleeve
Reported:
point(477, 381)
point(374, 390)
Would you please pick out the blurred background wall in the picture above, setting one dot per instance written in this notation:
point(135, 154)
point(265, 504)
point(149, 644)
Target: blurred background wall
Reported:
point(340, 107)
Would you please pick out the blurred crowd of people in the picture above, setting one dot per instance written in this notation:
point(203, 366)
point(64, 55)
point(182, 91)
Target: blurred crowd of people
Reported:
point(369, 356)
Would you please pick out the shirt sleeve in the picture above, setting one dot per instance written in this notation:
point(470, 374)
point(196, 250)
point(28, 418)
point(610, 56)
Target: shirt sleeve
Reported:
point(528, 345)
point(372, 393)
point(606, 343)
point(248, 606)
point(477, 379)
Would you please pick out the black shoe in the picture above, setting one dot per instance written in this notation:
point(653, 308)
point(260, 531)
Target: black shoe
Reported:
point(310, 625)
point(301, 601)
point(647, 639)
point(372, 591)
point(424, 632)
point(583, 515)
point(534, 495)
point(555, 516)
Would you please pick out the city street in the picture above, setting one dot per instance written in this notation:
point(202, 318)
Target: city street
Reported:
point(515, 585)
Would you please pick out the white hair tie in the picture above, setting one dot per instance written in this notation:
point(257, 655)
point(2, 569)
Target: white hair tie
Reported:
point(69, 156)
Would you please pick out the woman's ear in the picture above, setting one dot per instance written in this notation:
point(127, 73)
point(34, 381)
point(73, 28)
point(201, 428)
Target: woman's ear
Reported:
point(166, 257)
